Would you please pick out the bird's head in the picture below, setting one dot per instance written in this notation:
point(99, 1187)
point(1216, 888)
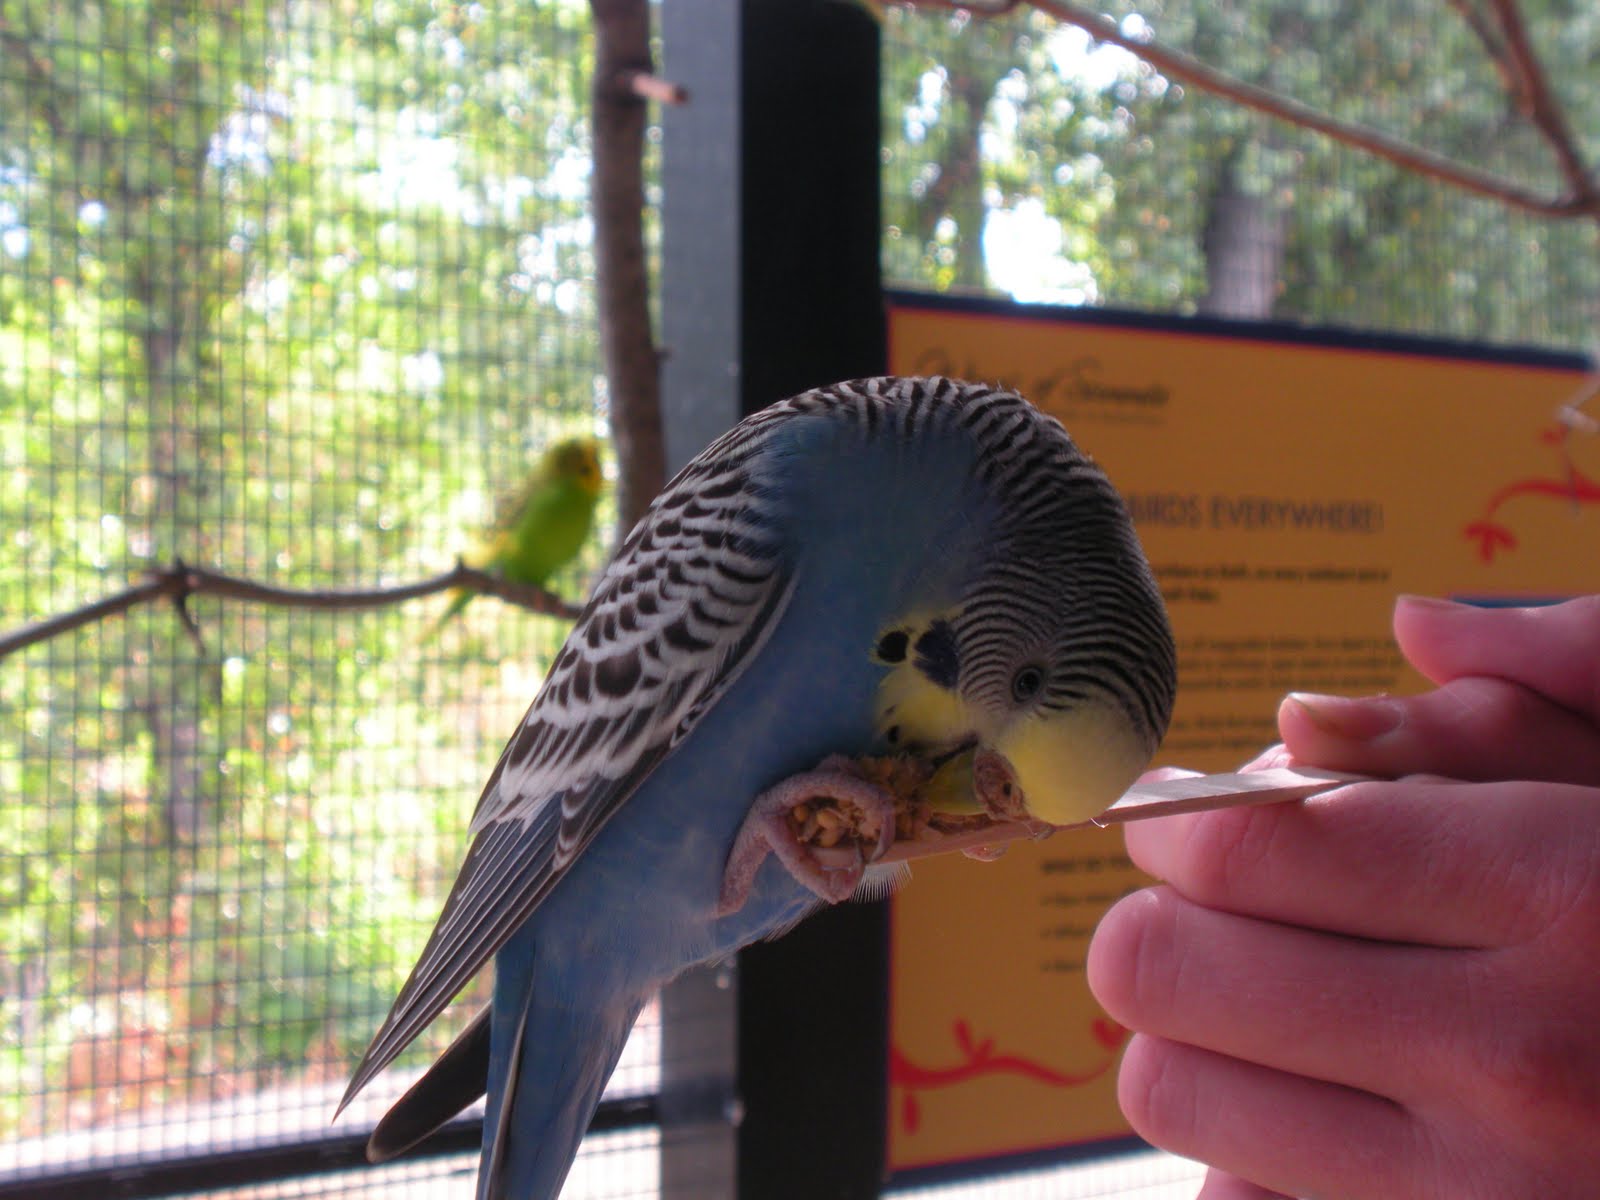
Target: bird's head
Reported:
point(1057, 653)
point(1073, 742)
point(577, 462)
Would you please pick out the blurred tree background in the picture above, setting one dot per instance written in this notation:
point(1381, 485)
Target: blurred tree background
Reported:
point(296, 290)
point(1009, 137)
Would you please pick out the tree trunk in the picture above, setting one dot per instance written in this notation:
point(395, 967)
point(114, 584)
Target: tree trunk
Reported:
point(958, 191)
point(622, 277)
point(172, 703)
point(1243, 242)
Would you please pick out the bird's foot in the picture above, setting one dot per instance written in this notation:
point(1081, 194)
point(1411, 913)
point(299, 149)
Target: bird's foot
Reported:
point(826, 826)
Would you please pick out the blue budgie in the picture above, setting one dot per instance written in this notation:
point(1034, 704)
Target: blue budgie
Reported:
point(903, 570)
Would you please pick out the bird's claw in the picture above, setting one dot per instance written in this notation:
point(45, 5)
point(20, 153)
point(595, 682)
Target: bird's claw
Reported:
point(826, 826)
point(995, 783)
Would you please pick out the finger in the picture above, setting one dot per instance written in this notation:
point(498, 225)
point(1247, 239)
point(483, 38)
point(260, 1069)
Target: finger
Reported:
point(1469, 728)
point(1272, 756)
point(1288, 1135)
point(1162, 774)
point(1553, 650)
point(1219, 1185)
point(1442, 864)
point(1340, 1010)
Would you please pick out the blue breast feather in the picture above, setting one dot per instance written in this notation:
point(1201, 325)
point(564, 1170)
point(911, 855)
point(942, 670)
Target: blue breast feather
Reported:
point(879, 528)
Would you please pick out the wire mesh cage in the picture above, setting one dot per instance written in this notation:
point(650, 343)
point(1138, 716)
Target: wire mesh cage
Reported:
point(295, 291)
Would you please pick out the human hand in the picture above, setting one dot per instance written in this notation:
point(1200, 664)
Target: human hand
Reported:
point(1386, 991)
point(1519, 698)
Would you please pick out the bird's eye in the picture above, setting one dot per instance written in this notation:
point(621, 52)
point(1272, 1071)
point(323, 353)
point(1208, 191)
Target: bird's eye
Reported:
point(1026, 683)
point(892, 646)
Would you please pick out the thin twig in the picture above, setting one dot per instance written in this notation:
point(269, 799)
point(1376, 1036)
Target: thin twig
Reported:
point(1486, 29)
point(180, 581)
point(1540, 106)
point(987, 8)
point(1178, 65)
point(1183, 67)
point(1489, 37)
point(99, 610)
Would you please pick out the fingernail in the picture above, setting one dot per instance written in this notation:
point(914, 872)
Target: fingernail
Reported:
point(1436, 603)
point(1353, 719)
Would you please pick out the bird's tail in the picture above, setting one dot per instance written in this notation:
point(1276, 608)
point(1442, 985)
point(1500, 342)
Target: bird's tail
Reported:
point(454, 1082)
point(555, 1039)
point(459, 599)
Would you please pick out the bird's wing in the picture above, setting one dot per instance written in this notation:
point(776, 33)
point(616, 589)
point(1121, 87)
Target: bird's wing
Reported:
point(684, 608)
point(497, 539)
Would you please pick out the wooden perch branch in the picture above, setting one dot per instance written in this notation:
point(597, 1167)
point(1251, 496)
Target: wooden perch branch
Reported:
point(1177, 65)
point(1582, 198)
point(180, 581)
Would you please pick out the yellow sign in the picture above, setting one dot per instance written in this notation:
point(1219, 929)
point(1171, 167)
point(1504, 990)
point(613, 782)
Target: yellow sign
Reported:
point(1285, 491)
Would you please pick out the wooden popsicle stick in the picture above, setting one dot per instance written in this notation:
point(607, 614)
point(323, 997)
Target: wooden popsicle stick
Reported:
point(1200, 793)
point(1163, 798)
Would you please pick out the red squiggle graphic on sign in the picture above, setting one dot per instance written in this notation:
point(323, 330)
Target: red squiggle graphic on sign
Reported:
point(1572, 487)
point(979, 1058)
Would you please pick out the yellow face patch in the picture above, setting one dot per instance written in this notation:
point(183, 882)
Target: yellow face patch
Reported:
point(912, 709)
point(1072, 766)
point(578, 460)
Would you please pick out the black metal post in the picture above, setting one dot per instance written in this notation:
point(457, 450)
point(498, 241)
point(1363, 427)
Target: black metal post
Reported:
point(812, 1006)
point(771, 285)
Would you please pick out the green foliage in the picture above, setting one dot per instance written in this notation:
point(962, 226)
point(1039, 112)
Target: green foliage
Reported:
point(295, 291)
point(980, 117)
point(1130, 167)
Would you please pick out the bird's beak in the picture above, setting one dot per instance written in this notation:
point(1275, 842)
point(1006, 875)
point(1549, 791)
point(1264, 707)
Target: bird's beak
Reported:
point(1071, 766)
